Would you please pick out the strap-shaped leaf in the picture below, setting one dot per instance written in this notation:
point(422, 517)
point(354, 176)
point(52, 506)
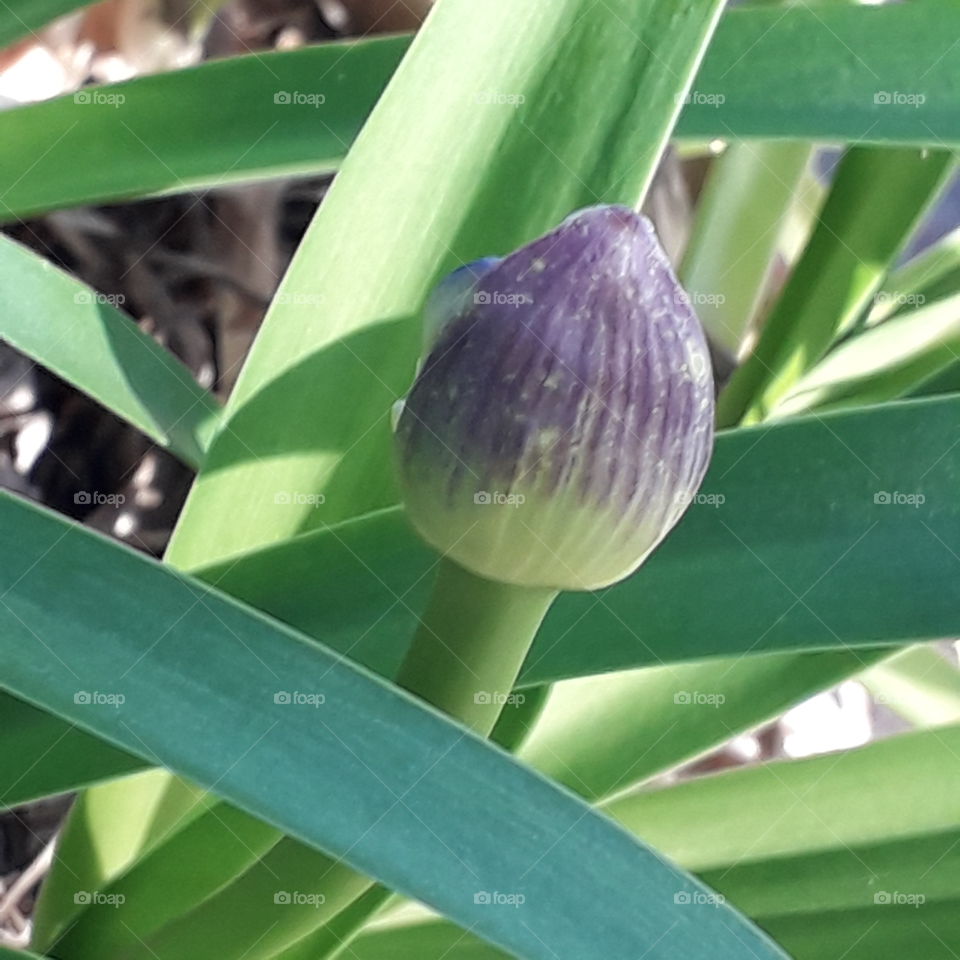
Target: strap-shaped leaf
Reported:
point(169, 669)
point(79, 334)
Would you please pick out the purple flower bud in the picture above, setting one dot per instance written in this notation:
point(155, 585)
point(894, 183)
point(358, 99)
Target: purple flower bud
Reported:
point(563, 418)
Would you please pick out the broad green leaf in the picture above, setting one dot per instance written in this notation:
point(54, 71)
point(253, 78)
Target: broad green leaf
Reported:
point(200, 677)
point(508, 93)
point(776, 71)
point(829, 854)
point(741, 215)
point(20, 18)
point(195, 128)
point(80, 335)
point(841, 269)
point(43, 755)
point(881, 363)
point(833, 71)
point(809, 535)
point(920, 684)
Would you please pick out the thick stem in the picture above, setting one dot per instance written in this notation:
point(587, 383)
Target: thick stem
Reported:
point(471, 644)
point(464, 659)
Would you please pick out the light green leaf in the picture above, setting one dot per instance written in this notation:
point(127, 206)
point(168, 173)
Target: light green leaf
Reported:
point(202, 698)
point(737, 233)
point(920, 684)
point(931, 275)
point(509, 94)
point(599, 735)
point(80, 335)
point(829, 840)
point(841, 269)
point(196, 128)
point(881, 363)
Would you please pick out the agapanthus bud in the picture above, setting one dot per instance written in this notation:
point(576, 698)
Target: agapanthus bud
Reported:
point(563, 417)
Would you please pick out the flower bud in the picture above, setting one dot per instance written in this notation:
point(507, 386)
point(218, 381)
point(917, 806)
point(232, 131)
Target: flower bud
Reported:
point(563, 417)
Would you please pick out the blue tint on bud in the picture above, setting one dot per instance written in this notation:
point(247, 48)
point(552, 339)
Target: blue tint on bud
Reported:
point(453, 295)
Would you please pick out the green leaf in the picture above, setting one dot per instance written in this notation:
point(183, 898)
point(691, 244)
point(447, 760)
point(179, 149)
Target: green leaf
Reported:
point(817, 850)
point(808, 845)
point(841, 269)
point(920, 684)
point(738, 229)
point(931, 275)
point(100, 843)
point(43, 755)
point(599, 735)
point(582, 134)
point(78, 334)
point(18, 18)
point(156, 888)
point(195, 128)
point(881, 363)
point(798, 555)
point(200, 676)
point(776, 70)
point(823, 71)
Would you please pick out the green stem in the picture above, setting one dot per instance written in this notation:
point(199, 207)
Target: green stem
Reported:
point(464, 660)
point(471, 643)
